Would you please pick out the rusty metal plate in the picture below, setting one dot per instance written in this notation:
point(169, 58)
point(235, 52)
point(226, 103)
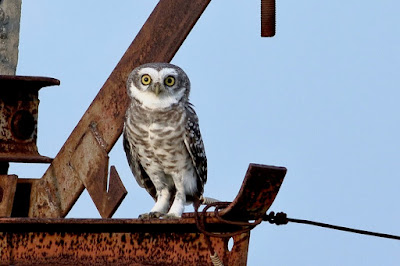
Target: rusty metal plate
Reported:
point(114, 242)
point(90, 153)
point(258, 191)
point(8, 185)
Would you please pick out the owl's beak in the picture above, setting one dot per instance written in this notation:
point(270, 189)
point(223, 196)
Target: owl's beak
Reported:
point(158, 87)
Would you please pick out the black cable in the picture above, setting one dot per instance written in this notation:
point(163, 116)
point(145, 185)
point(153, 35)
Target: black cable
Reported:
point(281, 218)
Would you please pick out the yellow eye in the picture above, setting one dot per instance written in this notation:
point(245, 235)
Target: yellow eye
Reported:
point(169, 81)
point(146, 79)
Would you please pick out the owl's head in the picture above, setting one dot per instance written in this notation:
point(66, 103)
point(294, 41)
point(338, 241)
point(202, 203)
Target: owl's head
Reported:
point(158, 85)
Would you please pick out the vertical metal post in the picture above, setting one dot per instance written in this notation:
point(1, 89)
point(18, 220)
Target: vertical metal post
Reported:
point(268, 18)
point(10, 14)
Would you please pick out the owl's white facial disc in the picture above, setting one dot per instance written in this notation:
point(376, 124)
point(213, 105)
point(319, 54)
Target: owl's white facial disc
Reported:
point(145, 95)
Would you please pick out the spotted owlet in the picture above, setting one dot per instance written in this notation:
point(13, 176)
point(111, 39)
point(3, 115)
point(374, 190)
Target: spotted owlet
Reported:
point(162, 138)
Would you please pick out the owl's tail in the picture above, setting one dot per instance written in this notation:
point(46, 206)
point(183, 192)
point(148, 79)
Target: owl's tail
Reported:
point(208, 200)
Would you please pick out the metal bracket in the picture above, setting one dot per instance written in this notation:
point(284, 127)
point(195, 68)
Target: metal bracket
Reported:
point(91, 152)
point(256, 194)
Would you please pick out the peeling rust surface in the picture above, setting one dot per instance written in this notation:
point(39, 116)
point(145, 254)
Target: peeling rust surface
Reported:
point(115, 249)
point(158, 41)
point(19, 117)
point(113, 242)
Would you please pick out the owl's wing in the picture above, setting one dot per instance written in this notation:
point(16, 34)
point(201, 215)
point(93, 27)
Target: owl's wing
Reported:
point(194, 145)
point(137, 169)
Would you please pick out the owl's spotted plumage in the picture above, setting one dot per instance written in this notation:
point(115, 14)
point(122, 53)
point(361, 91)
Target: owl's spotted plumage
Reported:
point(162, 138)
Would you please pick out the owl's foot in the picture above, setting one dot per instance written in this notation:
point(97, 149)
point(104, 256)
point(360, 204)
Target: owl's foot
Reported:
point(151, 215)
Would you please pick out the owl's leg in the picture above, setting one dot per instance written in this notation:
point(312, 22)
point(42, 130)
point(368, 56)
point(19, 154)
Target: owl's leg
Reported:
point(162, 203)
point(178, 205)
point(163, 198)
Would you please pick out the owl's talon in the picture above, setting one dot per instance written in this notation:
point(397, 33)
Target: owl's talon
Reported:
point(151, 215)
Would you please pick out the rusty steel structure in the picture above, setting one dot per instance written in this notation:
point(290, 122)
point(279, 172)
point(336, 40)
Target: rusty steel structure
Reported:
point(33, 227)
point(19, 106)
point(143, 242)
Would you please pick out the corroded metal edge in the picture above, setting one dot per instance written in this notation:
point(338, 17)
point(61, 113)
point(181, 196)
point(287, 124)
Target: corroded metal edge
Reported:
point(34, 82)
point(25, 158)
point(258, 192)
point(187, 225)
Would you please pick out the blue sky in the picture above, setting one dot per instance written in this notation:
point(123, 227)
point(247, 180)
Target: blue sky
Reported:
point(320, 98)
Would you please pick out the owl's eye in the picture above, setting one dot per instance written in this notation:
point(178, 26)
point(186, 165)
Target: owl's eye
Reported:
point(146, 79)
point(169, 81)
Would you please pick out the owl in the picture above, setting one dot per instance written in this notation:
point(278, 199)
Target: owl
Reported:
point(162, 140)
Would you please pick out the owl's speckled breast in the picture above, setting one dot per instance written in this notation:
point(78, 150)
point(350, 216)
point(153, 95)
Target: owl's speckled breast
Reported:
point(157, 136)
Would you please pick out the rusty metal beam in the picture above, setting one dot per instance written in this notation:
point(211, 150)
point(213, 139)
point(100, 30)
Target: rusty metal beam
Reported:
point(158, 40)
point(115, 242)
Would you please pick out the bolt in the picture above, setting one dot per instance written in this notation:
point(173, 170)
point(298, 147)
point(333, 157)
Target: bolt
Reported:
point(268, 18)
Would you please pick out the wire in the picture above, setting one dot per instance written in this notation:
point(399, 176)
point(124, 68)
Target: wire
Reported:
point(201, 224)
point(281, 218)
